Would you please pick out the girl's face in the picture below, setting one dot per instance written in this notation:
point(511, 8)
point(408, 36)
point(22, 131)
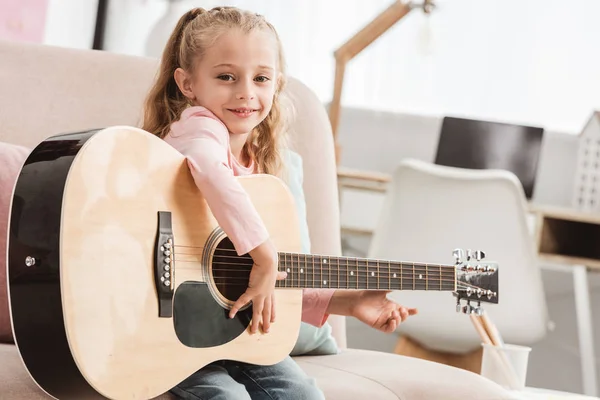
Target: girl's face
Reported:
point(236, 79)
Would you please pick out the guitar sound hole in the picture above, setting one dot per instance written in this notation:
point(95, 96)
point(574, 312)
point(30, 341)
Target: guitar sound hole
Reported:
point(230, 271)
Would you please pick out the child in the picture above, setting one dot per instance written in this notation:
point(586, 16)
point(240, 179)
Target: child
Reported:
point(218, 100)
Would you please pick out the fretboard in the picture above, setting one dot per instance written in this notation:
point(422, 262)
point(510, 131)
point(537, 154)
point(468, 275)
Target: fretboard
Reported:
point(314, 271)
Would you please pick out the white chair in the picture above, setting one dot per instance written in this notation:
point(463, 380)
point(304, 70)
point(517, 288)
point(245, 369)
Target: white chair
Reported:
point(430, 210)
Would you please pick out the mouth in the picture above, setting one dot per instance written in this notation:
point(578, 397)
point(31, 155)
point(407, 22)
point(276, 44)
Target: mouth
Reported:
point(242, 112)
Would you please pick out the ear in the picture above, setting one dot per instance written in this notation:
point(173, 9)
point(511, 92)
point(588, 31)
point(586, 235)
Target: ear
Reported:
point(184, 82)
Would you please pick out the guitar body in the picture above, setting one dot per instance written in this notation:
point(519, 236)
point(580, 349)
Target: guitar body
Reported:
point(85, 304)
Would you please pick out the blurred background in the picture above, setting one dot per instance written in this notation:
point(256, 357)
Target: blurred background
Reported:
point(529, 63)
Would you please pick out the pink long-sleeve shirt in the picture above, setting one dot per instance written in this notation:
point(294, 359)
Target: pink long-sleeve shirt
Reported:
point(204, 140)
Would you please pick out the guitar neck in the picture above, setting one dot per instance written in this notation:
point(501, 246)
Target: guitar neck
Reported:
point(315, 271)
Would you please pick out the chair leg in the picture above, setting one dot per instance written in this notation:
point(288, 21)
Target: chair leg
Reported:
point(468, 361)
point(584, 327)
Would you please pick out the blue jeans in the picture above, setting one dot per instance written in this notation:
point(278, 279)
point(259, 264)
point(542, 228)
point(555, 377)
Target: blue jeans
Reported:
point(232, 380)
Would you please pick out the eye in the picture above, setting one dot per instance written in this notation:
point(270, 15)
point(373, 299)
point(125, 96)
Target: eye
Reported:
point(261, 79)
point(225, 77)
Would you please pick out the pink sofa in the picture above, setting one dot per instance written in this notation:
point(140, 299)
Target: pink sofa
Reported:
point(48, 90)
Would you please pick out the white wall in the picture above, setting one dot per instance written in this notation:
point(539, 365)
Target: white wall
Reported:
point(71, 23)
point(523, 61)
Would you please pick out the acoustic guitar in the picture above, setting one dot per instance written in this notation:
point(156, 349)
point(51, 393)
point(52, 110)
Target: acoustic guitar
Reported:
point(120, 279)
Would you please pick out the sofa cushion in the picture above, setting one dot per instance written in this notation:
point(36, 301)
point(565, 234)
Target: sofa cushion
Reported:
point(363, 374)
point(11, 159)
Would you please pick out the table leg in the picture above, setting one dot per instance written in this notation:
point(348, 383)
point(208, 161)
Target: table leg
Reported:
point(584, 329)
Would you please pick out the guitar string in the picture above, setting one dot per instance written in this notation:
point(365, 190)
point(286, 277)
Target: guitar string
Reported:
point(429, 269)
point(245, 256)
point(404, 274)
point(281, 285)
point(244, 281)
point(361, 278)
point(360, 262)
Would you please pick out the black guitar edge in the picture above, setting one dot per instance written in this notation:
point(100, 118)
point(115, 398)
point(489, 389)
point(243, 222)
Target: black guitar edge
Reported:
point(34, 268)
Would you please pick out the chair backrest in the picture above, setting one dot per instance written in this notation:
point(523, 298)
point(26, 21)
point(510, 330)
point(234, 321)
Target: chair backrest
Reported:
point(429, 211)
point(50, 90)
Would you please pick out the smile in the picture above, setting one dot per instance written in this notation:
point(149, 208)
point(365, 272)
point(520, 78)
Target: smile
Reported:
point(243, 112)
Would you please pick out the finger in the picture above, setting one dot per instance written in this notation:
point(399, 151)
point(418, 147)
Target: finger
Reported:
point(258, 306)
point(281, 275)
point(266, 315)
point(241, 302)
point(413, 311)
point(273, 308)
point(390, 326)
point(403, 314)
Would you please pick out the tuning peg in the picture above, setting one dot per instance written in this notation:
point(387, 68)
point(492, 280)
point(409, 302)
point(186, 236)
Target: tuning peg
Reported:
point(478, 310)
point(468, 308)
point(458, 255)
point(479, 255)
point(469, 254)
point(458, 305)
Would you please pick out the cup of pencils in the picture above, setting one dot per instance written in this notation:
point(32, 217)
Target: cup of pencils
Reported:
point(505, 364)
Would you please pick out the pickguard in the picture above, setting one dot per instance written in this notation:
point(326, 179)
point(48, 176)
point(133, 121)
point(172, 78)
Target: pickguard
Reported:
point(200, 321)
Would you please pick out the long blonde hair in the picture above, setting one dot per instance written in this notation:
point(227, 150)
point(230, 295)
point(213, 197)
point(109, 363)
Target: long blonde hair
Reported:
point(195, 32)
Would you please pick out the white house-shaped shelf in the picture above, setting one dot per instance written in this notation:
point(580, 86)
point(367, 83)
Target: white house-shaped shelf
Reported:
point(586, 193)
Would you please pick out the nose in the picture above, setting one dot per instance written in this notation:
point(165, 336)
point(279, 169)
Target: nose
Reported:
point(245, 90)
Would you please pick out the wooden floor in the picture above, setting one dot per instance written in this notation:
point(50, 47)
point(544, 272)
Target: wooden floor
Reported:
point(409, 347)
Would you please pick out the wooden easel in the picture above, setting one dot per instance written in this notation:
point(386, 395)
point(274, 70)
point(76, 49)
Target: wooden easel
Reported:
point(358, 43)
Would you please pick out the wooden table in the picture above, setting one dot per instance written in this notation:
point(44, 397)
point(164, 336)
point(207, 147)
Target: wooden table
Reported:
point(571, 239)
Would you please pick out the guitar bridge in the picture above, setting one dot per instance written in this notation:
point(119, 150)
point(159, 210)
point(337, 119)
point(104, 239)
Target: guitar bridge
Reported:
point(163, 264)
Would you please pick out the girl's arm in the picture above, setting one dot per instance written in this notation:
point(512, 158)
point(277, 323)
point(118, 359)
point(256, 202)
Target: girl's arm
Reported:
point(205, 143)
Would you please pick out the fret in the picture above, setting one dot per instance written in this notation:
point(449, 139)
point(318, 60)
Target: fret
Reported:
point(292, 270)
point(313, 271)
point(360, 273)
point(378, 274)
point(301, 270)
point(355, 273)
point(322, 262)
point(286, 268)
point(306, 270)
point(338, 274)
point(394, 277)
point(328, 273)
point(401, 277)
point(347, 272)
point(390, 275)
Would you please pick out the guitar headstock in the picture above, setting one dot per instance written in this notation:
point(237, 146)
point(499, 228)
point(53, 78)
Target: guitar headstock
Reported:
point(476, 280)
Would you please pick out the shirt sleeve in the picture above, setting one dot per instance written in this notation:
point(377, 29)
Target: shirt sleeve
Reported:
point(205, 144)
point(314, 306)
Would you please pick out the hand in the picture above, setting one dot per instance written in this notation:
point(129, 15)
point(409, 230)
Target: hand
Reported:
point(376, 310)
point(261, 286)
